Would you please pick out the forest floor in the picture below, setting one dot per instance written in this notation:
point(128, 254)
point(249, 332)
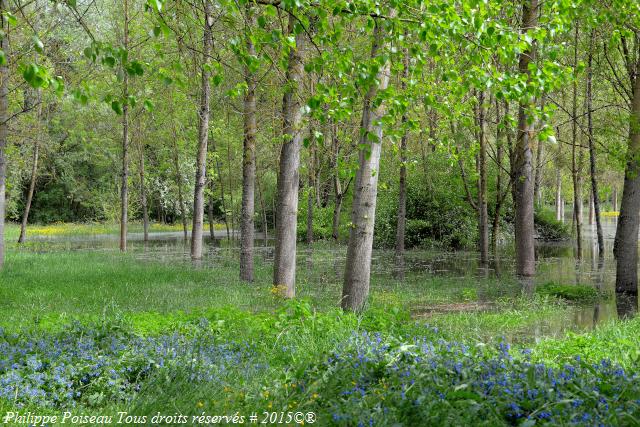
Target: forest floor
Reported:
point(102, 333)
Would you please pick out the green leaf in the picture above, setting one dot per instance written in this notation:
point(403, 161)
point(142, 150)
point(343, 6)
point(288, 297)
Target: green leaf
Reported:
point(148, 105)
point(37, 44)
point(117, 107)
point(3, 58)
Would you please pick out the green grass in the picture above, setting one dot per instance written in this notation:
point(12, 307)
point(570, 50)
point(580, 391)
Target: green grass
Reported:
point(12, 230)
point(577, 293)
point(44, 290)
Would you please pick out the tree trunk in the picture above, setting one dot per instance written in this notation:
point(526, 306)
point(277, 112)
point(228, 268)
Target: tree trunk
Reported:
point(176, 166)
point(402, 185)
point(537, 186)
point(577, 187)
point(558, 194)
point(212, 234)
point(34, 176)
point(248, 167)
point(592, 151)
point(358, 263)
point(203, 139)
point(337, 185)
point(124, 187)
point(284, 269)
point(495, 228)
point(143, 196)
point(4, 117)
point(522, 182)
point(311, 188)
point(483, 214)
point(625, 247)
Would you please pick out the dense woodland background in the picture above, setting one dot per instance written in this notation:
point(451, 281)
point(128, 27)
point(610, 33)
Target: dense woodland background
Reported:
point(144, 111)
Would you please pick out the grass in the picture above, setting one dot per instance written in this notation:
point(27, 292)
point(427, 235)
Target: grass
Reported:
point(176, 324)
point(12, 230)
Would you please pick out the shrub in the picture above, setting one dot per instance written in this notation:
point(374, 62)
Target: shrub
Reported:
point(548, 227)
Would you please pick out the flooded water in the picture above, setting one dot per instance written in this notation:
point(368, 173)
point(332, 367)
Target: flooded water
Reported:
point(557, 262)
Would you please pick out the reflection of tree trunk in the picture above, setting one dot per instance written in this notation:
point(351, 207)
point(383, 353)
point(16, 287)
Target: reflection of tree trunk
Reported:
point(284, 271)
point(522, 176)
point(358, 263)
point(203, 138)
point(34, 176)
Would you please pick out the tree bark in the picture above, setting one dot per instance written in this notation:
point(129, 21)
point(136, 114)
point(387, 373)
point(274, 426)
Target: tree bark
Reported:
point(178, 178)
point(124, 187)
point(592, 151)
point(284, 270)
point(4, 118)
point(358, 263)
point(483, 214)
point(212, 234)
point(402, 184)
point(577, 187)
point(143, 196)
point(311, 187)
point(522, 177)
point(203, 139)
point(337, 185)
point(559, 200)
point(34, 176)
point(625, 247)
point(248, 166)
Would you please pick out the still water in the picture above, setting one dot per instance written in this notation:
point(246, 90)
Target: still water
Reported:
point(557, 262)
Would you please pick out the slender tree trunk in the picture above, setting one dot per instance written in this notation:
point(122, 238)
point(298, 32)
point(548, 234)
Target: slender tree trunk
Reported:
point(625, 247)
point(34, 176)
point(483, 214)
point(537, 186)
point(265, 224)
point(248, 167)
point(358, 263)
point(124, 187)
point(222, 193)
point(311, 188)
point(522, 182)
point(337, 185)
point(203, 139)
point(178, 172)
point(402, 185)
point(577, 187)
point(495, 228)
point(614, 199)
point(143, 196)
point(4, 118)
point(559, 200)
point(212, 233)
point(592, 151)
point(284, 270)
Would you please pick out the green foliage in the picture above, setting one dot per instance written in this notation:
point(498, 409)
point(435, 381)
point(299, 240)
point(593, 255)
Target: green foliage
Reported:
point(578, 293)
point(548, 227)
point(437, 216)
